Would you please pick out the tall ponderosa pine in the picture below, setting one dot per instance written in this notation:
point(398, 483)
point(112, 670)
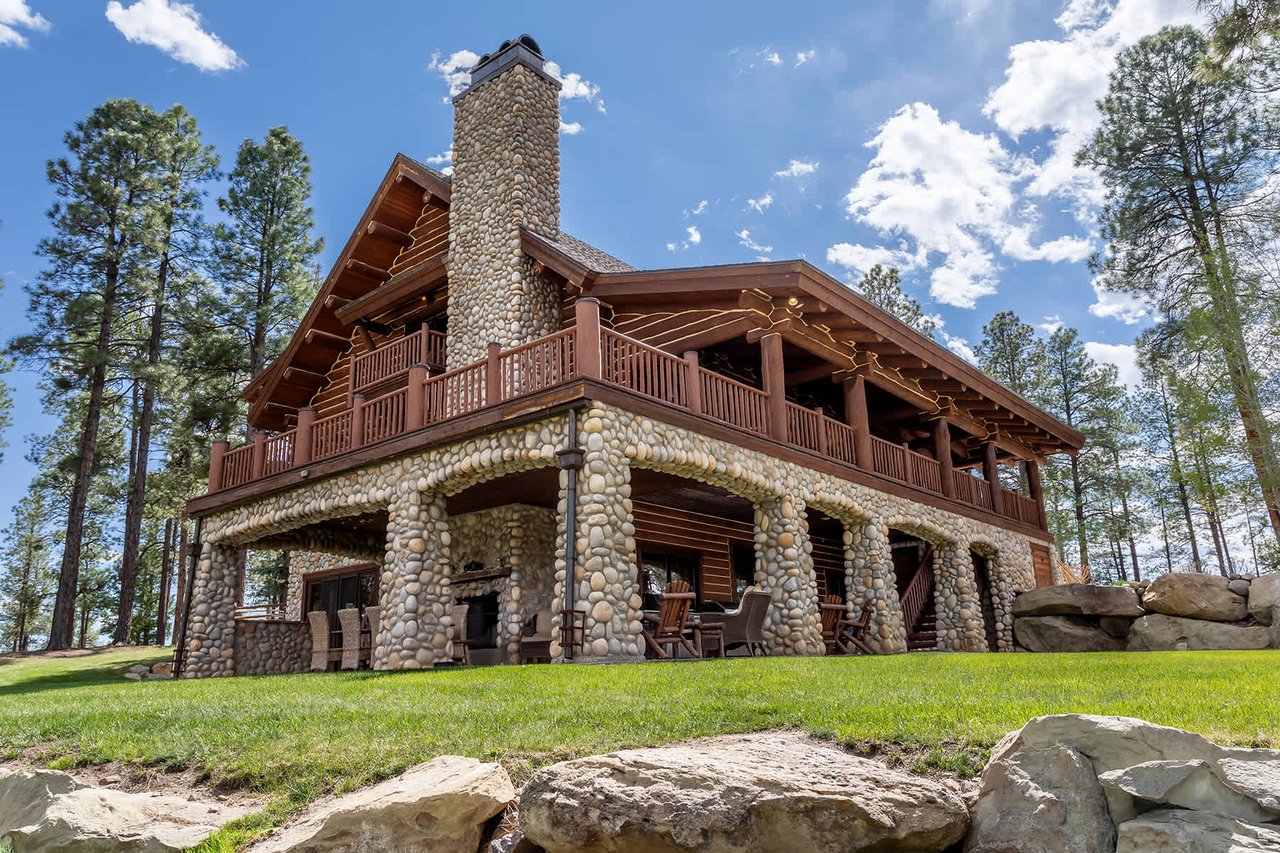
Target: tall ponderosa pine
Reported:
point(882, 287)
point(173, 241)
point(105, 188)
point(264, 254)
point(1187, 163)
point(26, 573)
point(1011, 354)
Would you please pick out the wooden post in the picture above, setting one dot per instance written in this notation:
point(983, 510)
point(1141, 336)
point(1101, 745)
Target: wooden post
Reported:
point(415, 400)
point(693, 382)
point(493, 375)
point(1032, 469)
point(586, 316)
point(822, 431)
point(855, 412)
point(775, 384)
point(991, 471)
point(302, 438)
point(258, 463)
point(216, 454)
point(357, 422)
point(942, 450)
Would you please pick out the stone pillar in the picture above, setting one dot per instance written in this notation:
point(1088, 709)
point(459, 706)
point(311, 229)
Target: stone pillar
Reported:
point(784, 569)
point(869, 579)
point(1002, 595)
point(416, 629)
point(506, 175)
point(960, 626)
point(603, 556)
point(215, 595)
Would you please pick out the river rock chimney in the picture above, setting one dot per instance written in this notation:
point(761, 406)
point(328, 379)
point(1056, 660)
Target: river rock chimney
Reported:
point(506, 174)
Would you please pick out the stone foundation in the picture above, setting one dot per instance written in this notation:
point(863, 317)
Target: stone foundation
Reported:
point(271, 648)
point(424, 546)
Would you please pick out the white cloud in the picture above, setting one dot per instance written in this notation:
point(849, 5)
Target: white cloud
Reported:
point(444, 160)
point(744, 239)
point(1123, 356)
point(454, 69)
point(695, 236)
point(1125, 307)
point(798, 168)
point(671, 247)
point(1051, 324)
point(16, 14)
point(951, 197)
point(760, 204)
point(698, 210)
point(1053, 84)
point(174, 28)
point(573, 86)
point(772, 57)
point(960, 346)
point(803, 56)
point(571, 128)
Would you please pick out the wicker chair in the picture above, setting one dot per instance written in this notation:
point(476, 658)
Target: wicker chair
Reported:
point(321, 654)
point(744, 626)
point(353, 650)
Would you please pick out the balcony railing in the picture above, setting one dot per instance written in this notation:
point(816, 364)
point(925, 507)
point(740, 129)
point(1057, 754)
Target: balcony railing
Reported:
point(395, 358)
point(585, 350)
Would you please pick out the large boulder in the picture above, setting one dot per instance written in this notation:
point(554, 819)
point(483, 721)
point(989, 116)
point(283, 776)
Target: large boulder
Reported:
point(1078, 599)
point(1063, 634)
point(440, 805)
point(1184, 831)
point(47, 810)
point(1264, 597)
point(1159, 633)
point(1041, 801)
point(773, 791)
point(1195, 596)
point(1193, 784)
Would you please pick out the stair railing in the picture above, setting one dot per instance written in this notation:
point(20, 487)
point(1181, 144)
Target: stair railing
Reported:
point(918, 591)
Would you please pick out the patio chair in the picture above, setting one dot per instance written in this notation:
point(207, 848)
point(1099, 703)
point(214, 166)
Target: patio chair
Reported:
point(745, 625)
point(832, 612)
point(461, 653)
point(535, 646)
point(671, 623)
point(321, 653)
point(354, 650)
point(850, 634)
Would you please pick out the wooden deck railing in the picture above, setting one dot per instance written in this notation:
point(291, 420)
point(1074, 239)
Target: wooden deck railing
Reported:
point(919, 591)
point(553, 360)
point(396, 357)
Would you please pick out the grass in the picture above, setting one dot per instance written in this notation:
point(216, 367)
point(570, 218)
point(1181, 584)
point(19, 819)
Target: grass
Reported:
point(296, 737)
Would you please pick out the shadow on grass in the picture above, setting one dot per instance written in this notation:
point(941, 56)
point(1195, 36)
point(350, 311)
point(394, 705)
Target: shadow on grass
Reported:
point(88, 676)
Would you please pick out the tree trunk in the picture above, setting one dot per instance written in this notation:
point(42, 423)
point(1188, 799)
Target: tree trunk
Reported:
point(166, 578)
point(1077, 491)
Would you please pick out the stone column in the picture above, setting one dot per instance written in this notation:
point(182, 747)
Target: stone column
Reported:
point(784, 569)
point(869, 578)
point(603, 561)
point(215, 595)
point(960, 626)
point(416, 613)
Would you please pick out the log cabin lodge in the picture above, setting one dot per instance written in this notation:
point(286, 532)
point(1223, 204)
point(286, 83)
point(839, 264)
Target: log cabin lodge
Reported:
point(478, 406)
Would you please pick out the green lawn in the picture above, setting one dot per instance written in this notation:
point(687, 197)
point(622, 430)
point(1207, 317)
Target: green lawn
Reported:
point(293, 737)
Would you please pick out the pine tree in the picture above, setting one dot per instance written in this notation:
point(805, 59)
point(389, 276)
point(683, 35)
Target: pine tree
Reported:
point(26, 573)
point(1010, 353)
point(883, 288)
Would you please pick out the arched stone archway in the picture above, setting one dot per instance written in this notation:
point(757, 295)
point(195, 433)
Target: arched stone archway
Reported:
point(958, 612)
point(997, 597)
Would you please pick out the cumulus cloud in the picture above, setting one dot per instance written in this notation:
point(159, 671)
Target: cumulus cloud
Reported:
point(699, 209)
point(759, 205)
point(1053, 84)
point(803, 56)
point(175, 29)
point(454, 69)
point(1051, 324)
point(744, 239)
point(695, 236)
point(571, 128)
point(1125, 307)
point(444, 160)
point(16, 15)
point(1123, 356)
point(797, 168)
point(574, 86)
point(953, 194)
point(772, 57)
point(960, 346)
point(692, 238)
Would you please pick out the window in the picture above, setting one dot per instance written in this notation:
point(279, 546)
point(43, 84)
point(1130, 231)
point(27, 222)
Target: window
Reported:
point(658, 568)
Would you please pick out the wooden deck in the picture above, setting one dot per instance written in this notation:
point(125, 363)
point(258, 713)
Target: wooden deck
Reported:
point(422, 399)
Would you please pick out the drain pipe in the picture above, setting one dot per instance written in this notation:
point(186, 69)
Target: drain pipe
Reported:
point(180, 631)
point(570, 459)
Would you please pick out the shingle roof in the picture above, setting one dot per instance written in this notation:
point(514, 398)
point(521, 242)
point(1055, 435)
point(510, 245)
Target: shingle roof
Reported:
point(589, 256)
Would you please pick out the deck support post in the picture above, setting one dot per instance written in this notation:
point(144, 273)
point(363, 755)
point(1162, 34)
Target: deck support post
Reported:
point(960, 626)
point(415, 400)
point(693, 382)
point(258, 462)
point(357, 422)
point(784, 569)
point(869, 581)
point(942, 452)
point(493, 373)
point(586, 318)
point(210, 630)
point(855, 408)
point(1035, 489)
point(302, 438)
point(991, 471)
point(415, 627)
point(216, 454)
point(774, 375)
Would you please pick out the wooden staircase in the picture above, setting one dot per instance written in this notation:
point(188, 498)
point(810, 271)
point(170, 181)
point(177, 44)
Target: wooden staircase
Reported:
point(919, 611)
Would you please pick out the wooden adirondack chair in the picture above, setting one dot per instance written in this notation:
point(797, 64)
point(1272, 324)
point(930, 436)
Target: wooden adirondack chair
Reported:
point(668, 632)
point(842, 636)
point(832, 612)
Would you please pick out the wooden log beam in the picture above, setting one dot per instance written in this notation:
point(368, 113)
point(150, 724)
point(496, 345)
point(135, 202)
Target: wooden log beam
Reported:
point(303, 375)
point(333, 302)
point(384, 231)
point(367, 270)
point(316, 337)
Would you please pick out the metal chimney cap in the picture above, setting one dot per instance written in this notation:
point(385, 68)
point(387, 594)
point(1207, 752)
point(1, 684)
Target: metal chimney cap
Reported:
point(522, 50)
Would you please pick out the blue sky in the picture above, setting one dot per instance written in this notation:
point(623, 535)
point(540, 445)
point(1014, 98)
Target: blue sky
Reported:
point(935, 135)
